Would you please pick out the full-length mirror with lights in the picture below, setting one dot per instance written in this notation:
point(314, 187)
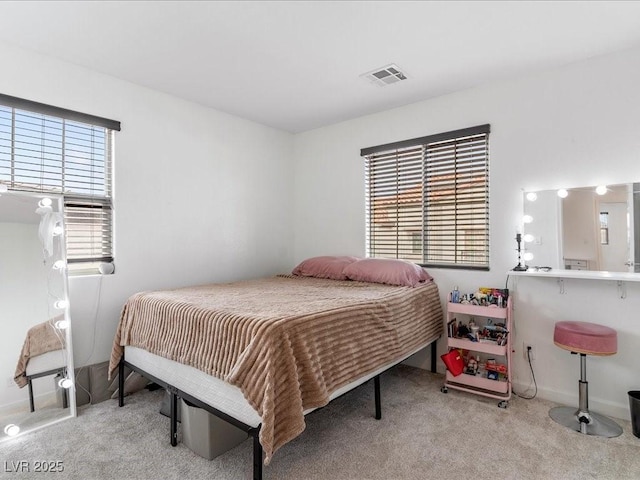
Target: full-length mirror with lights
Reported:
point(594, 228)
point(35, 346)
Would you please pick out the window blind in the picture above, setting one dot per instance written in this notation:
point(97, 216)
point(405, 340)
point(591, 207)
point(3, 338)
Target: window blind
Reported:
point(41, 152)
point(89, 232)
point(394, 198)
point(427, 199)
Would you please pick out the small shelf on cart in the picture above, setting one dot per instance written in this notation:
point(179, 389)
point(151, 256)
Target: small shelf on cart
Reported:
point(477, 310)
point(477, 382)
point(490, 348)
point(458, 314)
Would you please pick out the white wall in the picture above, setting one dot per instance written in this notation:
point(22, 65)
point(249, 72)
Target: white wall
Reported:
point(546, 228)
point(24, 302)
point(200, 196)
point(570, 127)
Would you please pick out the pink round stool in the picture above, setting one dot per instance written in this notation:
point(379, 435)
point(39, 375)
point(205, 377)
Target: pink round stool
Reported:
point(585, 339)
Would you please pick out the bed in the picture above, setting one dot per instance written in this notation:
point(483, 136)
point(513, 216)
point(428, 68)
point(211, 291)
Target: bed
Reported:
point(43, 353)
point(262, 353)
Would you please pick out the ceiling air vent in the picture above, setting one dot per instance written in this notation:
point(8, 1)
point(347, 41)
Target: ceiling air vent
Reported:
point(385, 75)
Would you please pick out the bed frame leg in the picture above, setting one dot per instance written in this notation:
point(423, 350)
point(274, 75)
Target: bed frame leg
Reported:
point(121, 383)
point(174, 416)
point(376, 388)
point(257, 454)
point(434, 354)
point(32, 407)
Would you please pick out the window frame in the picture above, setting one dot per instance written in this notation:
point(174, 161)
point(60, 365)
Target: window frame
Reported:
point(472, 162)
point(83, 200)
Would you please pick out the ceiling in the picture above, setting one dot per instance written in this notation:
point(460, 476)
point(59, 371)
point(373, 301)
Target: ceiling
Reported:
point(296, 66)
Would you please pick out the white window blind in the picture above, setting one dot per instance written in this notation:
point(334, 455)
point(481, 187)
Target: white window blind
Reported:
point(50, 150)
point(427, 199)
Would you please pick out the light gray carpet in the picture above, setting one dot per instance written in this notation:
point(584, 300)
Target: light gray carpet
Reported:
point(423, 434)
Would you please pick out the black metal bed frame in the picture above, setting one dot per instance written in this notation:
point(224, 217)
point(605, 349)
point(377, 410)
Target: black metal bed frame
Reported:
point(253, 431)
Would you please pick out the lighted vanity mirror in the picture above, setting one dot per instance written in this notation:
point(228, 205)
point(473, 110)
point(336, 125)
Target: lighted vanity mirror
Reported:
point(581, 229)
point(35, 344)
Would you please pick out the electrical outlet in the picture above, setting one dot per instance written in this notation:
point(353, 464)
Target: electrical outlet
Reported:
point(10, 382)
point(528, 353)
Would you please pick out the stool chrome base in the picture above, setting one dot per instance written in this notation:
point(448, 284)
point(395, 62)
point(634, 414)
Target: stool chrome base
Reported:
point(597, 425)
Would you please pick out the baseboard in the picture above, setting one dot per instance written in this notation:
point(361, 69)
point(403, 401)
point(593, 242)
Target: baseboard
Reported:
point(21, 406)
point(610, 409)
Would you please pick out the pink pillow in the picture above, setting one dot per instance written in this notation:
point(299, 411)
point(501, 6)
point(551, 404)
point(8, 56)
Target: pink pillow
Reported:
point(383, 270)
point(324, 267)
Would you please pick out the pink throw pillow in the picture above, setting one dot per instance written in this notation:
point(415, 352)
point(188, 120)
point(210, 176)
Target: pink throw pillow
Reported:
point(324, 267)
point(390, 271)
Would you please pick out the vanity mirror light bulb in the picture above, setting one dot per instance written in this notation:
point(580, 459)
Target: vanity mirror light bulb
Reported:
point(601, 189)
point(562, 193)
point(12, 430)
point(62, 324)
point(528, 256)
point(61, 304)
point(532, 196)
point(59, 265)
point(65, 383)
point(45, 202)
point(527, 219)
point(528, 238)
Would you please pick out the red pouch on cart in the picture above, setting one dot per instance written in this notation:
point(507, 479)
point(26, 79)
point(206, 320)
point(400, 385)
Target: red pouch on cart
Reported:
point(454, 362)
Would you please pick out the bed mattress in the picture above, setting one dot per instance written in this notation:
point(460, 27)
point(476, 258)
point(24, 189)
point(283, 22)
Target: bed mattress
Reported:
point(40, 340)
point(46, 362)
point(211, 390)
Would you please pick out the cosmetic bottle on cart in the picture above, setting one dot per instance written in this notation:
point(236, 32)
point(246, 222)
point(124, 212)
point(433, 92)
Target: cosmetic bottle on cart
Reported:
point(455, 295)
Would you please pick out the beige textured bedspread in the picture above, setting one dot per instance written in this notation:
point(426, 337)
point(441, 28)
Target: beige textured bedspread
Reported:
point(41, 338)
point(286, 342)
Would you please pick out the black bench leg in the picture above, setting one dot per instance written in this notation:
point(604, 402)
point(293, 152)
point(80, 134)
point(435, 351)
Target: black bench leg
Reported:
point(174, 418)
point(376, 387)
point(257, 454)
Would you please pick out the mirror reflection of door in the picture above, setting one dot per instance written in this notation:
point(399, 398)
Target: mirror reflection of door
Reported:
point(614, 244)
